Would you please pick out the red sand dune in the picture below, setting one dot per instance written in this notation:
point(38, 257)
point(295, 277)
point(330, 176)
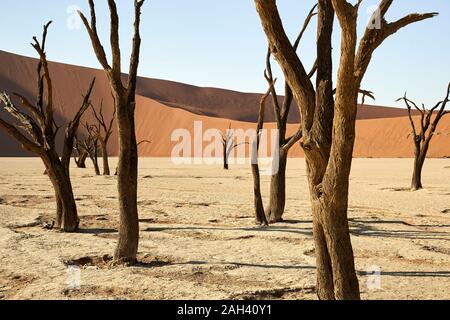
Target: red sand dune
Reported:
point(163, 106)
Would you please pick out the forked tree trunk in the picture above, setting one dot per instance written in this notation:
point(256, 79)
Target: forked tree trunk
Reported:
point(127, 183)
point(328, 139)
point(427, 130)
point(39, 136)
point(420, 156)
point(335, 188)
point(277, 203)
point(66, 213)
point(81, 161)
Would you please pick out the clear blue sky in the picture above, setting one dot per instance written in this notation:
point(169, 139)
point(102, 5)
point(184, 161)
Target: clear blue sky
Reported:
point(218, 43)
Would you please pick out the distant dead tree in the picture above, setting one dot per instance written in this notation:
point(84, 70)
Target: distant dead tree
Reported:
point(79, 154)
point(36, 131)
point(422, 136)
point(228, 144)
point(90, 144)
point(104, 134)
point(328, 124)
point(125, 103)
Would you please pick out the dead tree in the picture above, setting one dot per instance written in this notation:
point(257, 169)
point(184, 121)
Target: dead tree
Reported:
point(228, 145)
point(79, 154)
point(328, 125)
point(90, 145)
point(277, 204)
point(36, 131)
point(422, 136)
point(104, 135)
point(276, 207)
point(125, 103)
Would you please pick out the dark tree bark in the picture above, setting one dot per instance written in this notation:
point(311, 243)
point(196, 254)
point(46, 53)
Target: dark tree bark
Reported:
point(106, 169)
point(91, 145)
point(277, 204)
point(328, 126)
point(422, 137)
point(104, 135)
point(260, 215)
point(277, 198)
point(276, 207)
point(225, 157)
point(80, 155)
point(36, 131)
point(94, 159)
point(125, 103)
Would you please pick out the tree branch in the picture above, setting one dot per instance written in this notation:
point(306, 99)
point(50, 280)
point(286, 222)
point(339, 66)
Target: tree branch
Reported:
point(134, 61)
point(93, 35)
point(308, 19)
point(114, 39)
point(408, 105)
point(34, 111)
point(374, 37)
point(43, 67)
point(293, 140)
point(26, 123)
point(293, 69)
point(271, 81)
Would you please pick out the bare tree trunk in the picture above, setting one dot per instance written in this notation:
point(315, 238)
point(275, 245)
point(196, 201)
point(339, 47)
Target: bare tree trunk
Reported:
point(334, 189)
point(81, 161)
point(278, 192)
point(66, 214)
point(225, 157)
point(416, 183)
point(94, 158)
point(127, 184)
point(260, 215)
point(106, 170)
point(96, 167)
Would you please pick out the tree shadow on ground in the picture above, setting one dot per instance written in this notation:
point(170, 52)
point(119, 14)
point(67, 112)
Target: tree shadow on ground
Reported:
point(304, 231)
point(361, 227)
point(439, 274)
point(97, 231)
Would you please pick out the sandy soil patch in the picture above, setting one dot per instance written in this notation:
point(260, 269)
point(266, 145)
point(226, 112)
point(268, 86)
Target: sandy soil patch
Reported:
point(198, 240)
